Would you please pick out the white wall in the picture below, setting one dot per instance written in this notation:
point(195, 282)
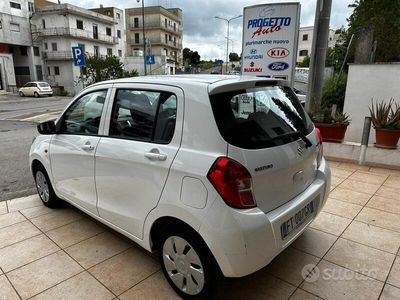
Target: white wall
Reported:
point(7, 70)
point(366, 82)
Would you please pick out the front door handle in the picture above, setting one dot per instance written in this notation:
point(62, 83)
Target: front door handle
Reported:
point(154, 154)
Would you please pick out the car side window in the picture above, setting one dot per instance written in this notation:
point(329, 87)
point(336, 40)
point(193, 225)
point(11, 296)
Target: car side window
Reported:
point(83, 117)
point(143, 115)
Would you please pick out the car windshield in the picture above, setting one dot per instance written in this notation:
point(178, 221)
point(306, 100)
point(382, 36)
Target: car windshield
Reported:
point(260, 117)
point(43, 84)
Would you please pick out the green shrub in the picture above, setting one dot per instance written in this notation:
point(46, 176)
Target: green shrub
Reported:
point(333, 91)
point(62, 93)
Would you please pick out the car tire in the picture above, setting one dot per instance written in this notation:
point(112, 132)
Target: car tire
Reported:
point(44, 188)
point(36, 95)
point(188, 265)
point(21, 94)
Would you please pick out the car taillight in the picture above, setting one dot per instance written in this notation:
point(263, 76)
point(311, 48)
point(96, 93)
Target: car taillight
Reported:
point(320, 147)
point(233, 182)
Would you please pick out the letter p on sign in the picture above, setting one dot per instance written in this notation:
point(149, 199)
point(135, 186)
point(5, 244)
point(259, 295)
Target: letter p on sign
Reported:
point(79, 57)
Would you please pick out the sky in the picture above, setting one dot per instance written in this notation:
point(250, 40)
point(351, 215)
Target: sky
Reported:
point(206, 34)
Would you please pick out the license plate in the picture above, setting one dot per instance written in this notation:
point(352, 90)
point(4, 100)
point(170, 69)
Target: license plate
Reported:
point(297, 219)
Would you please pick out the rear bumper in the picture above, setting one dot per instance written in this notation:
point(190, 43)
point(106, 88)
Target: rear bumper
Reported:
point(244, 241)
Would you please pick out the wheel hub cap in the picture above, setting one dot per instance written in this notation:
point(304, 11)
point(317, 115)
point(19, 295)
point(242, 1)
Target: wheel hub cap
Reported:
point(183, 265)
point(42, 187)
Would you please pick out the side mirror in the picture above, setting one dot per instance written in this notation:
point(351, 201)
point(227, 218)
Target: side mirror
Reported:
point(48, 127)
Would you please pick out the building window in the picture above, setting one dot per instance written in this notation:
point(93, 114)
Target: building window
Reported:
point(46, 47)
point(119, 33)
point(120, 53)
point(95, 32)
point(15, 5)
point(22, 71)
point(54, 46)
point(174, 41)
point(305, 37)
point(23, 50)
point(174, 26)
point(82, 46)
point(56, 71)
point(109, 52)
point(136, 22)
point(166, 38)
point(43, 23)
point(96, 50)
point(108, 13)
point(14, 27)
point(136, 38)
point(169, 38)
point(303, 53)
point(118, 16)
point(1, 25)
point(79, 24)
point(31, 7)
point(166, 23)
point(108, 31)
point(48, 71)
point(36, 51)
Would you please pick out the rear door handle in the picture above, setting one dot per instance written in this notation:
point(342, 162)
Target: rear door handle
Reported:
point(87, 147)
point(154, 154)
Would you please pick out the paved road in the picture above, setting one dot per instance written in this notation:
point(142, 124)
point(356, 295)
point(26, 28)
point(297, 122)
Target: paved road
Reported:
point(18, 120)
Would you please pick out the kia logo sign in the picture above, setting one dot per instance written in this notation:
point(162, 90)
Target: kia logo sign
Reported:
point(278, 66)
point(278, 52)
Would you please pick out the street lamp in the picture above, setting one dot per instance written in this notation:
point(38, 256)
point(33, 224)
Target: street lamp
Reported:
point(144, 39)
point(227, 37)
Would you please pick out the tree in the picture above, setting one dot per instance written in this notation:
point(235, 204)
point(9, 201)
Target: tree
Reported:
point(187, 54)
point(105, 68)
point(383, 18)
point(195, 58)
point(233, 56)
point(305, 63)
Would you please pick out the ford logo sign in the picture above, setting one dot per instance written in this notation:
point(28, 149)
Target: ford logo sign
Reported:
point(278, 66)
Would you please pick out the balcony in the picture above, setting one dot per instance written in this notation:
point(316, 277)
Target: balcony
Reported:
point(157, 42)
point(77, 33)
point(156, 25)
point(57, 55)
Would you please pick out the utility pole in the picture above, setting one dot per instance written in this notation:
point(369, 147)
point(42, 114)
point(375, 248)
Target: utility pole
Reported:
point(144, 39)
point(227, 38)
point(318, 53)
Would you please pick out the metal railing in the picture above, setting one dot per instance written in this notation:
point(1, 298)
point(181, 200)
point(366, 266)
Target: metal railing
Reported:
point(159, 40)
point(84, 34)
point(156, 24)
point(57, 55)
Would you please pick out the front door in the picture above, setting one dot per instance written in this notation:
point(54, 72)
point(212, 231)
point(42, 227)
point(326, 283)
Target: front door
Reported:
point(72, 150)
point(132, 163)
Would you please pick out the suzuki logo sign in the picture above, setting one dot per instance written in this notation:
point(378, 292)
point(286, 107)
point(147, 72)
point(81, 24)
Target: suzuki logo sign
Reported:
point(278, 52)
point(278, 66)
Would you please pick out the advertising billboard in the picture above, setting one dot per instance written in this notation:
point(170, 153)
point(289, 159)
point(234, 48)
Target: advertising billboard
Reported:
point(270, 36)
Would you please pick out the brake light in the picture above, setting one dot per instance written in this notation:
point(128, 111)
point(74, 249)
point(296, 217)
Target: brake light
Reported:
point(320, 146)
point(233, 182)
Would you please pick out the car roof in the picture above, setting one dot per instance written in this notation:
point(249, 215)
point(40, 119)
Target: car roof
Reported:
point(213, 82)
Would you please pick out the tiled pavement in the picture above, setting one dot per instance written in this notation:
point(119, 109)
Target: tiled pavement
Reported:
point(63, 254)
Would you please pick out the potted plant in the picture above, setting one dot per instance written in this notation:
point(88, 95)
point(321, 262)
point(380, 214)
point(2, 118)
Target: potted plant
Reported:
point(332, 126)
point(386, 120)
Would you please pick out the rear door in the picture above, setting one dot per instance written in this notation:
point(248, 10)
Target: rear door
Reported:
point(268, 131)
point(144, 129)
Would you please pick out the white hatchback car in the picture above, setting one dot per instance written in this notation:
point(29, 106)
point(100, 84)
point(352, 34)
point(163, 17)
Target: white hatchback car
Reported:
point(35, 88)
point(217, 173)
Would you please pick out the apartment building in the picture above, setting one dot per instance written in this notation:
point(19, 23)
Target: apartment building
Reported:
point(163, 30)
point(306, 38)
point(19, 57)
point(59, 27)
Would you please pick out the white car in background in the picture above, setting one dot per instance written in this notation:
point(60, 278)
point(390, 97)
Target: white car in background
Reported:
point(219, 174)
point(36, 89)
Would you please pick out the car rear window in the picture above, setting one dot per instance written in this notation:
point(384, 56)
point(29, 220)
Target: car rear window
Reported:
point(43, 84)
point(260, 117)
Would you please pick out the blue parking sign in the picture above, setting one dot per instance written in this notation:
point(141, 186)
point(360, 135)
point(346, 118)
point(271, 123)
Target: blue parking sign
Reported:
point(149, 59)
point(79, 56)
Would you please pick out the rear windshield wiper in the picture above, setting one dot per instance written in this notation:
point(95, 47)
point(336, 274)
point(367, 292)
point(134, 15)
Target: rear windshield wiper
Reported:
point(295, 134)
